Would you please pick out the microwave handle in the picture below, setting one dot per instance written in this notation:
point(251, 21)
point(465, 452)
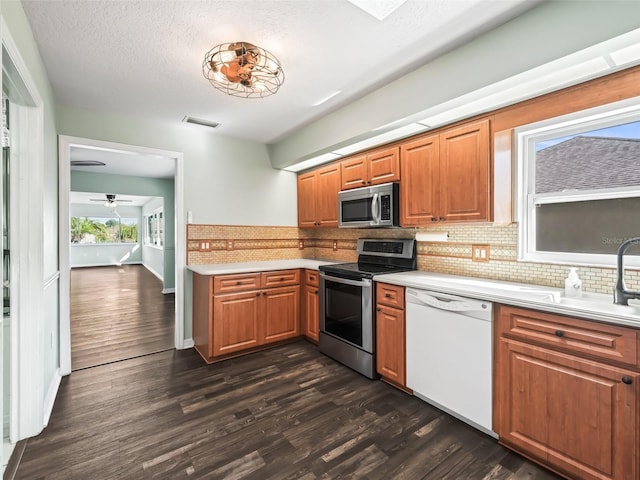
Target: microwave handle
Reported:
point(375, 209)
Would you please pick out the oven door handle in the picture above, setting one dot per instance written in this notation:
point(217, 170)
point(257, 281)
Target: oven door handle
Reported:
point(365, 282)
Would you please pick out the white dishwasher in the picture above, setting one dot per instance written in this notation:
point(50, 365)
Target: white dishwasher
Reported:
point(450, 354)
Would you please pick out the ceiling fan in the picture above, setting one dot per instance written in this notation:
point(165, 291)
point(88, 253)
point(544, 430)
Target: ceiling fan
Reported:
point(110, 200)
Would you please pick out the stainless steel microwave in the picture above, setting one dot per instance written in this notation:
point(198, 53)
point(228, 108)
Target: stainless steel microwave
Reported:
point(366, 207)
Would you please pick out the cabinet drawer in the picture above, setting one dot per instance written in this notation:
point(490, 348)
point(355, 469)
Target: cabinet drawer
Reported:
point(311, 278)
point(280, 278)
point(236, 283)
point(582, 337)
point(390, 295)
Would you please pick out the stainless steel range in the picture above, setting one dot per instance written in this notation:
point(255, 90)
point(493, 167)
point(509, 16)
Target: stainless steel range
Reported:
point(347, 300)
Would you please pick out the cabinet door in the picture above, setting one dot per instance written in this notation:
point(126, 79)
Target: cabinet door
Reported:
point(464, 173)
point(575, 415)
point(420, 186)
point(281, 313)
point(307, 200)
point(390, 344)
point(311, 312)
point(328, 186)
point(354, 172)
point(235, 325)
point(384, 166)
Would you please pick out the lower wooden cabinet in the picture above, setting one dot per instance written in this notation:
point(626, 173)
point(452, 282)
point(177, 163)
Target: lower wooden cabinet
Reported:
point(231, 315)
point(562, 405)
point(310, 308)
point(281, 307)
point(390, 334)
point(236, 322)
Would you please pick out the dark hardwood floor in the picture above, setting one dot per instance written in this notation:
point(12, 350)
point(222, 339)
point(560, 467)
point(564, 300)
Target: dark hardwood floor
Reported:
point(284, 413)
point(118, 313)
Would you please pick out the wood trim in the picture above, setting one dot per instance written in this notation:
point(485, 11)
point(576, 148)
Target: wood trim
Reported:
point(503, 180)
point(600, 91)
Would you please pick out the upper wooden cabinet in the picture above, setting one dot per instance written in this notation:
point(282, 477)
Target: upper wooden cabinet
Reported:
point(446, 176)
point(379, 166)
point(318, 197)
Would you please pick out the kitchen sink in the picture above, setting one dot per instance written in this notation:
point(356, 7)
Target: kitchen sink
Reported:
point(599, 302)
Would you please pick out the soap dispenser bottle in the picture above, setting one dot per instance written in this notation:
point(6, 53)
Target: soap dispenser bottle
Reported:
point(572, 284)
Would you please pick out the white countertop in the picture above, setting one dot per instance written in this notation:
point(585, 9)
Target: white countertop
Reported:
point(590, 306)
point(264, 266)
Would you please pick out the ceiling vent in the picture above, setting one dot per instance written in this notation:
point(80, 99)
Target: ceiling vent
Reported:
point(87, 163)
point(199, 121)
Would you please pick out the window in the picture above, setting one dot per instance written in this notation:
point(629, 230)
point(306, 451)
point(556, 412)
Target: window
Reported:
point(103, 230)
point(154, 229)
point(579, 186)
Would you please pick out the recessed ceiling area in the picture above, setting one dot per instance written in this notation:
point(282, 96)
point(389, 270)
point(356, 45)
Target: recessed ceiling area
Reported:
point(144, 58)
point(123, 163)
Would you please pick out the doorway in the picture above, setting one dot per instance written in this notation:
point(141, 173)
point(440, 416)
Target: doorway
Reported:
point(173, 220)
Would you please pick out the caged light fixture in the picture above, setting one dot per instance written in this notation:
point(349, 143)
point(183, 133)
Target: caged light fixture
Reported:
point(242, 69)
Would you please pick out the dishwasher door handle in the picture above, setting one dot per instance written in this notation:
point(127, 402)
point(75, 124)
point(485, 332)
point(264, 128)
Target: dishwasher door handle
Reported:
point(446, 302)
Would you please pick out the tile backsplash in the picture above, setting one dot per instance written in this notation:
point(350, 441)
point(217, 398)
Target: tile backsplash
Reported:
point(211, 244)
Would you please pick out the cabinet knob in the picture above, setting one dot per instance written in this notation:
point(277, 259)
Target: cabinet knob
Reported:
point(282, 279)
point(387, 295)
point(264, 293)
point(316, 292)
point(238, 282)
point(363, 182)
point(257, 294)
point(442, 219)
point(559, 333)
point(627, 380)
point(378, 309)
point(434, 219)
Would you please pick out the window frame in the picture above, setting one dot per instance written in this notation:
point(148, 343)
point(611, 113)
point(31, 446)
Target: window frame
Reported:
point(148, 234)
point(525, 198)
point(109, 217)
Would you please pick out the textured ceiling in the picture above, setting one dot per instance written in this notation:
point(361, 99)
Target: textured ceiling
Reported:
point(144, 58)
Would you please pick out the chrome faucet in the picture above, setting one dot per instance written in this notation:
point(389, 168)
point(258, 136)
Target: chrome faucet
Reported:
point(621, 295)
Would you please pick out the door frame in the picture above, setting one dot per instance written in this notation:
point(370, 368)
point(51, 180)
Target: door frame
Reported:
point(64, 155)
point(27, 404)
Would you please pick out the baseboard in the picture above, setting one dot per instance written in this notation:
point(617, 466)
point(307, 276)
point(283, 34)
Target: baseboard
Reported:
point(160, 277)
point(50, 398)
point(187, 343)
point(105, 264)
point(168, 290)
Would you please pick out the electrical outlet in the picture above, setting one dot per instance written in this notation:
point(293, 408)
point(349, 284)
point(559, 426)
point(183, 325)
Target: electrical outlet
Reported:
point(205, 246)
point(480, 253)
point(301, 244)
point(335, 245)
point(229, 244)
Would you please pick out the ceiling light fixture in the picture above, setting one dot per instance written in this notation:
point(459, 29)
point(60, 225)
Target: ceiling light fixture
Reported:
point(242, 69)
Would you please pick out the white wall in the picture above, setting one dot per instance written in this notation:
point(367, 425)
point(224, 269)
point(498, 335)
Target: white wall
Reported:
point(45, 341)
point(545, 33)
point(153, 257)
point(227, 181)
point(103, 255)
